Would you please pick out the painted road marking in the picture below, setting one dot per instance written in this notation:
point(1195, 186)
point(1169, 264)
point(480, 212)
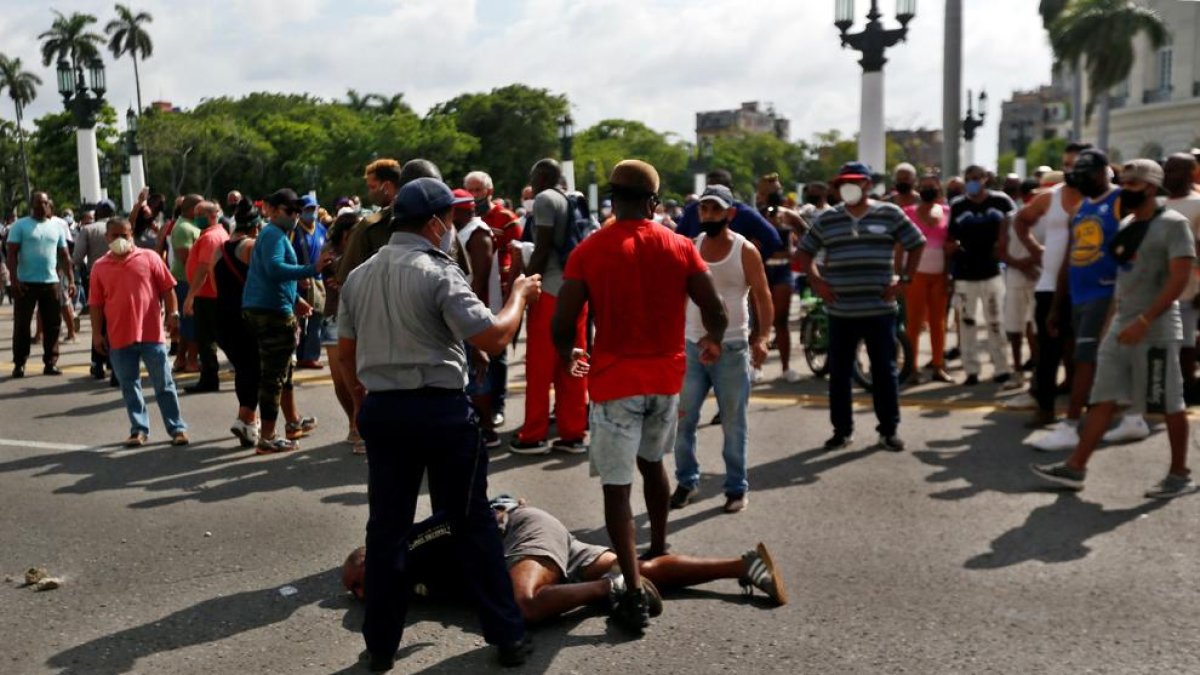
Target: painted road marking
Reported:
point(38, 445)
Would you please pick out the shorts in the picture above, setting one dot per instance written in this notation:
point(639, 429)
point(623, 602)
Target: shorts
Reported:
point(329, 334)
point(1018, 301)
point(627, 429)
point(1087, 322)
point(187, 324)
point(533, 533)
point(1189, 314)
point(779, 275)
point(1148, 374)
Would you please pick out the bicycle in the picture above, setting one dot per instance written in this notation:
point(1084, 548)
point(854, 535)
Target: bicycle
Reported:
point(814, 334)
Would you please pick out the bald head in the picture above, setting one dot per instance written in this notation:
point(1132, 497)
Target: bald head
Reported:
point(634, 186)
point(187, 207)
point(418, 168)
point(545, 175)
point(209, 211)
point(1178, 175)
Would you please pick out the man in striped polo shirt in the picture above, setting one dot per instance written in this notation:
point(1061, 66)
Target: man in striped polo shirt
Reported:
point(858, 283)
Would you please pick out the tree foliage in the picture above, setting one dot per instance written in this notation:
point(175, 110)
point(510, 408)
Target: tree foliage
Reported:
point(69, 38)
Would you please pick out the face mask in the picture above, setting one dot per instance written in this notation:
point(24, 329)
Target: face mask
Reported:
point(658, 217)
point(200, 222)
point(527, 205)
point(974, 187)
point(851, 193)
point(445, 241)
point(929, 195)
point(120, 246)
point(1132, 200)
point(713, 228)
point(308, 217)
point(1088, 186)
point(904, 188)
point(482, 206)
point(605, 211)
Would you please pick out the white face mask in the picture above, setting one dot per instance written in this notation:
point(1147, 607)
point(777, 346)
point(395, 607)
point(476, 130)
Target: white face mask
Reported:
point(445, 237)
point(851, 193)
point(120, 246)
point(527, 205)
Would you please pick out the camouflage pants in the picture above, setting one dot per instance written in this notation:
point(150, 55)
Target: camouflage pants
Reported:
point(276, 335)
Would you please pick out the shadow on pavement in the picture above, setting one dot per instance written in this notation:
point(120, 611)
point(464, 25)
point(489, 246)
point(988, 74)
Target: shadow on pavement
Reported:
point(1057, 532)
point(986, 457)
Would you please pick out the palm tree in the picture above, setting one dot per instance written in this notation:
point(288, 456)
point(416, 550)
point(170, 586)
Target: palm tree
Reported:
point(127, 36)
point(1100, 34)
point(69, 38)
point(1050, 11)
point(22, 89)
point(356, 101)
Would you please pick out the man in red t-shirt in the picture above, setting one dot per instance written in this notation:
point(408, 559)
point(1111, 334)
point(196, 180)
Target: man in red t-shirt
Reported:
point(637, 277)
point(127, 286)
point(201, 300)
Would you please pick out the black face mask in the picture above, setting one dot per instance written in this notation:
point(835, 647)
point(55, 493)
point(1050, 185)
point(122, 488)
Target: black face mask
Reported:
point(1087, 185)
point(812, 199)
point(929, 194)
point(904, 188)
point(1132, 200)
point(482, 206)
point(713, 228)
point(953, 194)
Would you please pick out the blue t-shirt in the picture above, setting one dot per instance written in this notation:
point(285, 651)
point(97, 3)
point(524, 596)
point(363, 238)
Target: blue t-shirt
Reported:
point(1093, 269)
point(748, 222)
point(271, 279)
point(37, 261)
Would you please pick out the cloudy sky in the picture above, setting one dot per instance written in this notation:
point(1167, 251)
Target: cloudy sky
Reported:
point(658, 61)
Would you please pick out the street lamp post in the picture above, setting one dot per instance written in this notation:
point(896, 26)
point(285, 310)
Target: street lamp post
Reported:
point(1021, 140)
point(566, 135)
point(704, 155)
point(972, 122)
point(84, 102)
point(127, 194)
point(951, 86)
point(593, 188)
point(105, 174)
point(872, 41)
point(137, 165)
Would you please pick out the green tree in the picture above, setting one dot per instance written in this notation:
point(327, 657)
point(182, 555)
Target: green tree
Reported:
point(1099, 35)
point(127, 35)
point(1047, 152)
point(515, 126)
point(22, 89)
point(54, 157)
point(11, 176)
point(610, 141)
point(70, 39)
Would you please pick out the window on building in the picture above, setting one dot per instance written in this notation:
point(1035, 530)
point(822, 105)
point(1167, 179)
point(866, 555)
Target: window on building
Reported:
point(1165, 56)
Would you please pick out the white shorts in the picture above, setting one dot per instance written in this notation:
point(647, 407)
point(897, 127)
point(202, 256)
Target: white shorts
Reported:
point(1018, 301)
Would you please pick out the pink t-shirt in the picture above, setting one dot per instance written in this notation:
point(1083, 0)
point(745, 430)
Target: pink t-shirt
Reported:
point(128, 289)
point(205, 250)
point(933, 260)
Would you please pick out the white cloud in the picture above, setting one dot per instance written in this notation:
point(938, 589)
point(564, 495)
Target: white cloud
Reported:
point(659, 61)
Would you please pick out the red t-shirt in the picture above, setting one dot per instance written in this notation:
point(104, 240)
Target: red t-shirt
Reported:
point(506, 228)
point(205, 250)
point(128, 289)
point(636, 274)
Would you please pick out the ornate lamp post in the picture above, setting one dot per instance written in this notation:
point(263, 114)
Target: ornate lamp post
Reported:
point(972, 122)
point(137, 163)
point(84, 102)
point(593, 188)
point(106, 166)
point(566, 136)
point(872, 41)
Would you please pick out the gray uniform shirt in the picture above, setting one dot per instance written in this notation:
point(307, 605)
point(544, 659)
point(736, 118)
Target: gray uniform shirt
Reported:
point(551, 209)
point(1141, 280)
point(410, 308)
point(90, 245)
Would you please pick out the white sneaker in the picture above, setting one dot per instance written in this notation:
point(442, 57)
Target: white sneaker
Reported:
point(756, 375)
point(1062, 436)
point(1017, 381)
point(1020, 402)
point(1132, 428)
point(791, 376)
point(247, 434)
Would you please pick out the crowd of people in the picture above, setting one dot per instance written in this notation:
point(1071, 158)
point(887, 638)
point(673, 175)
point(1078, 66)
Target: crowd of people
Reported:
point(631, 319)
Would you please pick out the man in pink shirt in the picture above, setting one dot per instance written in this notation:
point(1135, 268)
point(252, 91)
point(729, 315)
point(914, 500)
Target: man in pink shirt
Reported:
point(201, 300)
point(127, 285)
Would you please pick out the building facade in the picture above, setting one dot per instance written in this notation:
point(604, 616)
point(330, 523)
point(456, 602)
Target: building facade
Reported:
point(752, 117)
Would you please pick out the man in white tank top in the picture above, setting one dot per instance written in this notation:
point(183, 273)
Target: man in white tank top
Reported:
point(737, 270)
point(1048, 215)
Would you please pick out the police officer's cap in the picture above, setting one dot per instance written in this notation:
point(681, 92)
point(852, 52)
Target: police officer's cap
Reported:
point(422, 198)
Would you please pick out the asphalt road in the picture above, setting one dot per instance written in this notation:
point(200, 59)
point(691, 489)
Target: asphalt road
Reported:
point(948, 558)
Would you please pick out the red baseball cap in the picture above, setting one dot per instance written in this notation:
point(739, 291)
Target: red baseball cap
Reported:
point(463, 194)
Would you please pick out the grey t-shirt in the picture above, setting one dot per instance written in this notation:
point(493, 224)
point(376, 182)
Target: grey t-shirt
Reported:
point(1139, 281)
point(551, 209)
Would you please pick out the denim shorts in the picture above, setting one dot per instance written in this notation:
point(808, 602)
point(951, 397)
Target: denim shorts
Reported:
point(627, 429)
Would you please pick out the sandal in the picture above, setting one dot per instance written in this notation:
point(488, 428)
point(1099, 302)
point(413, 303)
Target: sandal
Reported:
point(359, 447)
point(271, 446)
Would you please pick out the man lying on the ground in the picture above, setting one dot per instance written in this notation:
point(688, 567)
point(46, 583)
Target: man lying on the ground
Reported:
point(553, 572)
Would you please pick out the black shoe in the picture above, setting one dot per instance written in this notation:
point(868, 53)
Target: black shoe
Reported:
point(839, 441)
point(1002, 378)
point(379, 664)
point(174, 349)
point(891, 443)
point(18, 371)
point(51, 370)
point(490, 439)
point(203, 387)
point(633, 611)
point(682, 497)
point(971, 381)
point(112, 381)
point(1029, 366)
point(97, 371)
point(519, 447)
point(515, 653)
point(953, 354)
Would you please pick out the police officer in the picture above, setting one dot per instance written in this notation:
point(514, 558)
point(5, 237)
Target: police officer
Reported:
point(403, 317)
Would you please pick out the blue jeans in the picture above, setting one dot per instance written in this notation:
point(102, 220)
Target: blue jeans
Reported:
point(498, 375)
point(729, 377)
point(187, 324)
point(126, 363)
point(879, 333)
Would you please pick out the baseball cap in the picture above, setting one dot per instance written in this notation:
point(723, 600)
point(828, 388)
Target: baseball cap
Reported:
point(854, 171)
point(284, 197)
point(422, 198)
point(1144, 170)
point(719, 194)
point(309, 202)
point(1090, 160)
point(460, 193)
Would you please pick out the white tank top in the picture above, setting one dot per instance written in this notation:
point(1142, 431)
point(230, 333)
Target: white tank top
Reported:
point(495, 301)
point(1055, 236)
point(730, 280)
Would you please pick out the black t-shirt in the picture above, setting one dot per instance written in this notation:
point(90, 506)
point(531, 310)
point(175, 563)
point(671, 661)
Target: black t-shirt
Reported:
point(976, 228)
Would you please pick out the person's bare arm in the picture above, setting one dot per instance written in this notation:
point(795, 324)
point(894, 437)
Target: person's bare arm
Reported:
point(171, 307)
point(479, 254)
point(571, 298)
point(703, 292)
point(764, 307)
point(495, 339)
point(66, 269)
point(13, 252)
point(1026, 219)
point(203, 270)
point(348, 357)
point(543, 244)
point(1135, 332)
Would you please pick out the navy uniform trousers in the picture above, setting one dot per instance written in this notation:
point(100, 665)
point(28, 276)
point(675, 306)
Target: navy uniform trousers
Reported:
point(408, 433)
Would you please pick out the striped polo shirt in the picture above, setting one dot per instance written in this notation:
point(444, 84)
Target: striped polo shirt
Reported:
point(859, 256)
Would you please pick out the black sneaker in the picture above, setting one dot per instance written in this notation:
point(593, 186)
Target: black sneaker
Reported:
point(1029, 366)
point(1002, 378)
point(839, 441)
point(490, 439)
point(379, 664)
point(633, 611)
point(1061, 474)
point(519, 447)
point(971, 381)
point(18, 371)
point(953, 354)
point(891, 443)
point(575, 447)
point(112, 380)
point(682, 497)
point(515, 654)
point(97, 371)
point(51, 369)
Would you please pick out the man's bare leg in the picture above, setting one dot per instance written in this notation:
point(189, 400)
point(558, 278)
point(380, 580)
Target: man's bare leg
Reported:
point(1081, 388)
point(1177, 435)
point(677, 571)
point(657, 491)
point(541, 596)
point(618, 520)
